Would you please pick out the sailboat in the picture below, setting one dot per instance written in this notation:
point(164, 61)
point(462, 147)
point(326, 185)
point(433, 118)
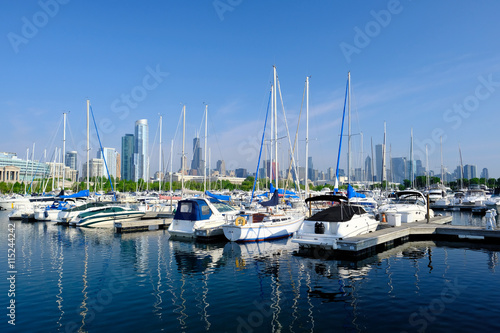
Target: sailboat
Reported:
point(343, 219)
point(275, 222)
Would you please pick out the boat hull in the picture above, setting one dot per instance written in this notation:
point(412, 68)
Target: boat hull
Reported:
point(107, 220)
point(253, 232)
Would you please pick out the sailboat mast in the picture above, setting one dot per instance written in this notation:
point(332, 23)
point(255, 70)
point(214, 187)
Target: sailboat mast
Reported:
point(411, 160)
point(160, 176)
point(183, 141)
point(64, 150)
point(426, 168)
point(171, 171)
point(88, 143)
point(349, 129)
point(271, 139)
point(461, 168)
point(442, 168)
point(276, 126)
point(307, 138)
point(205, 162)
point(384, 176)
point(372, 163)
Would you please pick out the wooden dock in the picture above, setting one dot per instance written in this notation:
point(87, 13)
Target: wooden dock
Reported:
point(142, 225)
point(387, 237)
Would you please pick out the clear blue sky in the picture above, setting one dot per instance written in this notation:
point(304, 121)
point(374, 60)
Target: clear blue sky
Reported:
point(433, 66)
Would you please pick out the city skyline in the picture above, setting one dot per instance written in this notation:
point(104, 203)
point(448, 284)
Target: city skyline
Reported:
point(440, 79)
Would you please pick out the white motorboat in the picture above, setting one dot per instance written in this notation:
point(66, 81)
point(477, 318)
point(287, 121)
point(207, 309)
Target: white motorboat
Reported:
point(410, 205)
point(105, 217)
point(69, 215)
point(342, 220)
point(200, 218)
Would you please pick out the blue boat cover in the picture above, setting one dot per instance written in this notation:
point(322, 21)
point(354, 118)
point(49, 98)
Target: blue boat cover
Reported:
point(192, 210)
point(273, 201)
point(82, 193)
point(218, 197)
point(351, 193)
point(280, 191)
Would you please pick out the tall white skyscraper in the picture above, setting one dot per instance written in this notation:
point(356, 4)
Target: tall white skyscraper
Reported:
point(110, 156)
point(141, 149)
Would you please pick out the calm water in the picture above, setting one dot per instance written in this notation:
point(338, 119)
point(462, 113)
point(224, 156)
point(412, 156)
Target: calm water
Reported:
point(71, 280)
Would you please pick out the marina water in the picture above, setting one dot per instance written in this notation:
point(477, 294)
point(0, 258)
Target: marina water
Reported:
point(94, 280)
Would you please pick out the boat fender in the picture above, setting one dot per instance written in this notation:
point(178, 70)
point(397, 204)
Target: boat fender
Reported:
point(240, 221)
point(383, 218)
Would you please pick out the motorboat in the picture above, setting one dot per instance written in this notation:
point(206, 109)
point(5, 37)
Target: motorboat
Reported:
point(342, 220)
point(105, 217)
point(200, 218)
point(68, 215)
point(409, 205)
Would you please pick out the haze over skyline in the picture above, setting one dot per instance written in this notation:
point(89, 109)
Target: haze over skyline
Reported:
point(421, 65)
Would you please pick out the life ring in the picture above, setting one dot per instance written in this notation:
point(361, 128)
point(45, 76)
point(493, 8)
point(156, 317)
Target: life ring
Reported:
point(240, 221)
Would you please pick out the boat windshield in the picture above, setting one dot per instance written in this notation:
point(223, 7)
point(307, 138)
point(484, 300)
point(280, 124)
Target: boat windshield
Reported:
point(222, 207)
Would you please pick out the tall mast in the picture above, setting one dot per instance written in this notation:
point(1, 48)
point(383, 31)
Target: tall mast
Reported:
point(159, 159)
point(461, 168)
point(183, 140)
point(372, 163)
point(307, 137)
point(88, 144)
point(171, 171)
point(384, 175)
point(32, 162)
point(412, 172)
point(205, 162)
point(349, 129)
point(363, 171)
point(64, 150)
point(426, 168)
point(442, 168)
point(275, 126)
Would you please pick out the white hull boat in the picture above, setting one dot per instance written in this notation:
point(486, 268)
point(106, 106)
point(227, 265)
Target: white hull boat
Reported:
point(105, 217)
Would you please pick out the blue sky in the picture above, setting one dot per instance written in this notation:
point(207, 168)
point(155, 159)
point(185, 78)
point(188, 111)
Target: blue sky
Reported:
point(431, 66)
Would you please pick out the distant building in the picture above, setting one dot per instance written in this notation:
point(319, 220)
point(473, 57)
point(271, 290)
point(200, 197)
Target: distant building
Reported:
point(485, 174)
point(141, 149)
point(28, 170)
point(368, 168)
point(197, 162)
point(127, 157)
point(379, 161)
point(470, 171)
point(399, 170)
point(330, 173)
point(9, 174)
point(241, 173)
point(71, 159)
point(221, 167)
point(110, 157)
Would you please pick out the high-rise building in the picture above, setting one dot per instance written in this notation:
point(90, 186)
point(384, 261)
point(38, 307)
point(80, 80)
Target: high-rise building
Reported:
point(470, 171)
point(242, 173)
point(110, 161)
point(221, 167)
point(141, 149)
point(368, 168)
point(378, 162)
point(127, 157)
point(310, 168)
point(70, 159)
point(197, 162)
point(331, 173)
point(485, 174)
point(399, 169)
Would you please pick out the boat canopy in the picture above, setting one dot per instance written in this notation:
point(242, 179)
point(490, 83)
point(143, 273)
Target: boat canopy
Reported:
point(327, 197)
point(280, 191)
point(218, 196)
point(274, 200)
point(338, 213)
point(82, 193)
point(192, 210)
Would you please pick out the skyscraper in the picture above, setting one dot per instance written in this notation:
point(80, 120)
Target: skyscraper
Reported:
point(484, 173)
point(127, 165)
point(310, 168)
point(379, 162)
point(196, 163)
point(141, 149)
point(221, 167)
point(368, 168)
point(399, 169)
point(470, 171)
point(70, 159)
point(110, 158)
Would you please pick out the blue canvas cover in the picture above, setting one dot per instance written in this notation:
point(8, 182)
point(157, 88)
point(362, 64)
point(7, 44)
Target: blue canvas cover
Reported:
point(273, 202)
point(82, 193)
point(351, 193)
point(280, 191)
point(218, 197)
point(192, 210)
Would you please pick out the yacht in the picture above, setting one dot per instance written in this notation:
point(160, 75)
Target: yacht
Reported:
point(411, 205)
point(341, 220)
point(200, 218)
point(105, 217)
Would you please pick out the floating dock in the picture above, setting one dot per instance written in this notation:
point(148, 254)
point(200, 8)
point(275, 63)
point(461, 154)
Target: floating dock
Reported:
point(141, 225)
point(388, 237)
point(471, 208)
